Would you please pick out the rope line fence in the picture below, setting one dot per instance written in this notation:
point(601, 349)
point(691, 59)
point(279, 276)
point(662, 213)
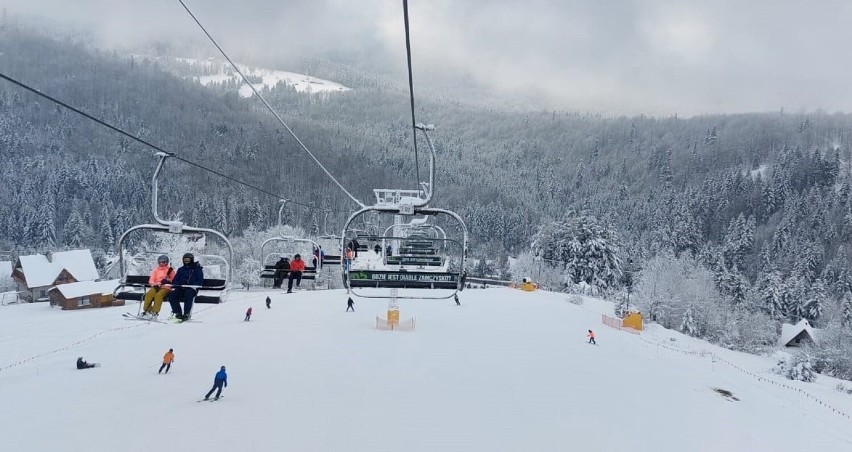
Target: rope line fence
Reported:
point(68, 347)
point(716, 358)
point(75, 344)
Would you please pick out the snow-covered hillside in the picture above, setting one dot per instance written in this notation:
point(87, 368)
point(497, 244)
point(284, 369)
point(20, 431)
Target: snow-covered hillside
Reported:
point(505, 371)
point(221, 72)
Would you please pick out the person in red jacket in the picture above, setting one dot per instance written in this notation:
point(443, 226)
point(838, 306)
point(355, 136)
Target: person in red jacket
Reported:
point(248, 314)
point(297, 266)
point(591, 336)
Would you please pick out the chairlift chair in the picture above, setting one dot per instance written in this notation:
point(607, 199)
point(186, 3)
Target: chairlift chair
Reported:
point(331, 255)
point(311, 273)
point(133, 286)
point(401, 274)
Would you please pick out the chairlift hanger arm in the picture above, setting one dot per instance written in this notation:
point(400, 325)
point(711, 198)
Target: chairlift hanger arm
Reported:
point(281, 210)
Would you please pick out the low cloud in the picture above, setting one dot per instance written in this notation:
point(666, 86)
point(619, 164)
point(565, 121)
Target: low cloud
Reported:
point(621, 56)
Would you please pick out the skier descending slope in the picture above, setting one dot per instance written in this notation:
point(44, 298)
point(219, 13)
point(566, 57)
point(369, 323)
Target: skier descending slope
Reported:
point(168, 359)
point(220, 380)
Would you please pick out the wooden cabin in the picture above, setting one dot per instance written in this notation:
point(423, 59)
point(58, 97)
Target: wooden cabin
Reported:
point(35, 274)
point(85, 294)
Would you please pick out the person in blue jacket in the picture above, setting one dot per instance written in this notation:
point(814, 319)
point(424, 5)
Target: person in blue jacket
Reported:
point(190, 274)
point(220, 380)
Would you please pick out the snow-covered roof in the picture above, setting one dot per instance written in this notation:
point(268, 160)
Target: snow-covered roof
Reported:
point(5, 269)
point(789, 332)
point(78, 262)
point(39, 271)
point(79, 289)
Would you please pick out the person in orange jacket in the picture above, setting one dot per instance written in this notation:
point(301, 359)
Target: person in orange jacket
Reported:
point(297, 266)
point(168, 359)
point(347, 258)
point(162, 274)
point(591, 336)
point(248, 314)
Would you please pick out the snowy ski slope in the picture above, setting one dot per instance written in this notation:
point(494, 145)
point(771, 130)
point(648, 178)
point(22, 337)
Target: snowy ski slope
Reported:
point(505, 371)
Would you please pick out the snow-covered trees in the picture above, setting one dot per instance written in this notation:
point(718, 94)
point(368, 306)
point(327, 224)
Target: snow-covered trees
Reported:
point(547, 276)
point(795, 367)
point(770, 289)
point(738, 241)
point(846, 309)
point(73, 233)
point(833, 356)
point(247, 273)
point(678, 292)
point(587, 251)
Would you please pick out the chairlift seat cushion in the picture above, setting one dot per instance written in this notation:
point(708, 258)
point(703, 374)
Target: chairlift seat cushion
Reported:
point(132, 280)
point(414, 260)
point(130, 296)
point(421, 251)
point(213, 284)
point(208, 299)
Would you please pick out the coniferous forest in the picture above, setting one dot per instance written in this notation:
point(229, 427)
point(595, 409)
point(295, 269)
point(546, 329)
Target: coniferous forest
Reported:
point(722, 226)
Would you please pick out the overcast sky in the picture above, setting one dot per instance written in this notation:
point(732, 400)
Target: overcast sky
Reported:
point(615, 56)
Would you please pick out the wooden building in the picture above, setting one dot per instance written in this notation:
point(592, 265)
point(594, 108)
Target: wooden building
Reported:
point(35, 274)
point(86, 294)
point(798, 334)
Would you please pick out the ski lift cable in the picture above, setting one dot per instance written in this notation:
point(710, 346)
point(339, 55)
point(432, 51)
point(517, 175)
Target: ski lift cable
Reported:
point(140, 140)
point(269, 107)
point(411, 93)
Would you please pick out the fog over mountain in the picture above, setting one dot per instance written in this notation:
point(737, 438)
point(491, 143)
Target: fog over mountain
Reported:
point(635, 57)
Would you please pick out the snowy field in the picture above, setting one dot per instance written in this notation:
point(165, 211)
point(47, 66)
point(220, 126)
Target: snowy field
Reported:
point(505, 371)
point(270, 78)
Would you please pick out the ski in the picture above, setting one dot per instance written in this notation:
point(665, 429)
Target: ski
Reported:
point(173, 320)
point(129, 316)
point(211, 399)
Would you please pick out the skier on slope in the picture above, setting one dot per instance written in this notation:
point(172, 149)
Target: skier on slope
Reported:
point(220, 380)
point(168, 359)
point(350, 305)
point(84, 365)
point(268, 302)
point(248, 314)
point(591, 337)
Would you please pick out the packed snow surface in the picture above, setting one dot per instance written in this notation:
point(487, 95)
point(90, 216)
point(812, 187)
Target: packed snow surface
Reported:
point(220, 72)
point(505, 371)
